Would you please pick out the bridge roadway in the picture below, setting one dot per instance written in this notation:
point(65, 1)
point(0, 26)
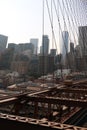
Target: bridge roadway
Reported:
point(7, 98)
point(12, 96)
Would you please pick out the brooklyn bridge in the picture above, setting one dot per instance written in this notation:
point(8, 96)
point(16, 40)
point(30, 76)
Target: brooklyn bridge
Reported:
point(57, 101)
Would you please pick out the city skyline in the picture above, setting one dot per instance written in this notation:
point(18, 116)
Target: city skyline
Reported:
point(21, 20)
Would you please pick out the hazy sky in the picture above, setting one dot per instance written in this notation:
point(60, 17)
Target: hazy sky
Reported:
point(21, 20)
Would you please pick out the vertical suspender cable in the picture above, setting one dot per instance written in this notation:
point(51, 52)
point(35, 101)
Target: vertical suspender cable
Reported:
point(52, 20)
point(61, 28)
point(51, 24)
point(42, 36)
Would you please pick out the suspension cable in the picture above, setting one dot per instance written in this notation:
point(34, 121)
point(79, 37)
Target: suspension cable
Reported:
point(61, 31)
point(51, 24)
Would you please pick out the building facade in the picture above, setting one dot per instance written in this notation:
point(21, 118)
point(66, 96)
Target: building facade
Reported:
point(65, 44)
point(53, 52)
point(34, 41)
point(45, 45)
point(3, 42)
point(20, 66)
point(83, 39)
point(46, 64)
point(71, 47)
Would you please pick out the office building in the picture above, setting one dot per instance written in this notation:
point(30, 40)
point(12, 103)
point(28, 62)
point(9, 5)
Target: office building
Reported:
point(35, 44)
point(46, 64)
point(45, 45)
point(24, 46)
point(71, 47)
point(65, 44)
point(12, 46)
point(53, 52)
point(83, 39)
point(43, 64)
point(20, 66)
point(3, 42)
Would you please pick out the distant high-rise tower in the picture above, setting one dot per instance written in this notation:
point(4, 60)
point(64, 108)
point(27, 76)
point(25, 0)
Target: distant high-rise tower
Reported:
point(45, 45)
point(3, 42)
point(35, 43)
point(71, 47)
point(65, 44)
point(64, 47)
point(83, 39)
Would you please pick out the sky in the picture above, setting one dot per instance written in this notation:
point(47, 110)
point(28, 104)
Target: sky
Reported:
point(21, 20)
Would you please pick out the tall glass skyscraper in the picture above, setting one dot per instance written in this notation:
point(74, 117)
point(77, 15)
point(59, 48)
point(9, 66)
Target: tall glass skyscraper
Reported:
point(34, 41)
point(45, 45)
point(83, 39)
point(65, 42)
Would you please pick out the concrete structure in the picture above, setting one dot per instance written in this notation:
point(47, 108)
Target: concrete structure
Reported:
point(35, 43)
point(3, 42)
point(45, 45)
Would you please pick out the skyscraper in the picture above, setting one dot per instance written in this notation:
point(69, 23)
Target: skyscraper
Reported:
point(45, 45)
point(34, 41)
point(83, 39)
point(3, 42)
point(71, 47)
point(65, 42)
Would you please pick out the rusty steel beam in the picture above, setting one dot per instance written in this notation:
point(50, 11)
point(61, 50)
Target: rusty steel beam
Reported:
point(12, 98)
point(8, 101)
point(40, 92)
point(60, 101)
point(80, 81)
point(71, 90)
